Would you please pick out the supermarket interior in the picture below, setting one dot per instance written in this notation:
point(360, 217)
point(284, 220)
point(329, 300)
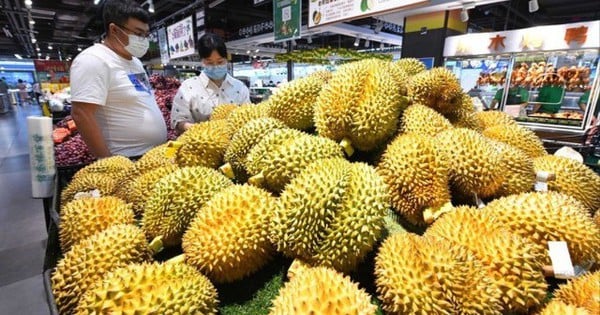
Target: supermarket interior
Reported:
point(300, 157)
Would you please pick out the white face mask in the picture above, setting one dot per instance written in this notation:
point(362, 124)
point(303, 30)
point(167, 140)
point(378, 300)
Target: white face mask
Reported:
point(138, 46)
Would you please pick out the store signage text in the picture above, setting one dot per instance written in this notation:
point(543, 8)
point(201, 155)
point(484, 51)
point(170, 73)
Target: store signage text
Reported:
point(256, 29)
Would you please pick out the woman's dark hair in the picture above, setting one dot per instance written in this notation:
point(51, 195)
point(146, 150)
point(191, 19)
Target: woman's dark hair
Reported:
point(20, 81)
point(119, 11)
point(209, 42)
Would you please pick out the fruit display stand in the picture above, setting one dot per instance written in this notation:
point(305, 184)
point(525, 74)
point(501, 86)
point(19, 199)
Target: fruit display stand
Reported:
point(562, 66)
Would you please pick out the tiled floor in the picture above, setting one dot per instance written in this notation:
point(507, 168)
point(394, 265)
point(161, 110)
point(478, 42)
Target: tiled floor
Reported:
point(22, 226)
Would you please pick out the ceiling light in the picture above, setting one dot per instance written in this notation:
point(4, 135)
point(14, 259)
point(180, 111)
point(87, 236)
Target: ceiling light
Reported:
point(464, 15)
point(18, 56)
point(96, 2)
point(47, 57)
point(37, 48)
point(28, 3)
point(357, 42)
point(257, 50)
point(39, 54)
point(49, 46)
point(32, 22)
point(248, 52)
point(150, 6)
point(533, 6)
point(33, 40)
point(79, 49)
point(367, 43)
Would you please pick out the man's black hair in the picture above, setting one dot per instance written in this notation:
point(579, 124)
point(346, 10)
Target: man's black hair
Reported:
point(119, 11)
point(209, 42)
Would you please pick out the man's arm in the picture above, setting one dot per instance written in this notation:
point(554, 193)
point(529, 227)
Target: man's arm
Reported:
point(85, 119)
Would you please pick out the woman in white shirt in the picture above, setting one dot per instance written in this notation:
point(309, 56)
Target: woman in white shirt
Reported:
point(196, 97)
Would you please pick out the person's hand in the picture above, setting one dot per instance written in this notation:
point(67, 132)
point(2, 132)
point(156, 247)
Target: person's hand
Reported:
point(187, 125)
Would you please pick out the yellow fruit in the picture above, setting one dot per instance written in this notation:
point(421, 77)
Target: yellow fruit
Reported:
point(543, 217)
point(422, 120)
point(517, 170)
point(464, 116)
point(411, 66)
point(493, 118)
point(560, 308)
point(154, 158)
point(151, 289)
point(416, 174)
point(80, 219)
point(597, 218)
point(583, 291)
point(572, 178)
point(140, 188)
point(293, 103)
point(227, 240)
point(332, 214)
point(175, 200)
point(360, 105)
point(114, 166)
point(283, 153)
point(512, 262)
point(244, 140)
point(298, 266)
point(518, 137)
point(432, 276)
point(87, 262)
point(475, 165)
point(204, 144)
point(106, 184)
point(322, 291)
point(223, 111)
point(245, 113)
point(437, 88)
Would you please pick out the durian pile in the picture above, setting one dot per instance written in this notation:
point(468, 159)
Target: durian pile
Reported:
point(380, 182)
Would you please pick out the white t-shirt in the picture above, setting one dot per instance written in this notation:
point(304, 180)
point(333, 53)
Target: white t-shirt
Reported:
point(128, 115)
point(198, 96)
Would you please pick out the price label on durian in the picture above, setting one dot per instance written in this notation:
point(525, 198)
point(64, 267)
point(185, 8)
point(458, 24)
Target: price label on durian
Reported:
point(561, 260)
point(322, 12)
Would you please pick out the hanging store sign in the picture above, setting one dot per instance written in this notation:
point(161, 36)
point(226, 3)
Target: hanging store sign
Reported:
point(51, 65)
point(329, 11)
point(163, 46)
point(200, 23)
point(287, 18)
point(256, 29)
point(181, 38)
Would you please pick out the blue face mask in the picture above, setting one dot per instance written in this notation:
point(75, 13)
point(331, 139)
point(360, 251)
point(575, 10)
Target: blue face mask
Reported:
point(216, 72)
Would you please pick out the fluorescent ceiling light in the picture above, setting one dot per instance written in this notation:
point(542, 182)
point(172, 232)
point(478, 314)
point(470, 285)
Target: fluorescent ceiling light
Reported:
point(79, 49)
point(33, 40)
point(28, 3)
point(18, 56)
point(49, 46)
point(151, 6)
point(96, 2)
point(32, 22)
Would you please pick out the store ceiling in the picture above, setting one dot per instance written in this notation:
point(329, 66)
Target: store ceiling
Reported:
point(68, 24)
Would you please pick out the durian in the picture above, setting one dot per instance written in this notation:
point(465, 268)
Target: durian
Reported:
point(543, 217)
point(332, 214)
point(411, 66)
point(597, 218)
point(175, 200)
point(437, 88)
point(572, 178)
point(360, 106)
point(512, 262)
point(80, 219)
point(560, 308)
point(519, 137)
point(114, 166)
point(416, 174)
point(475, 164)
point(517, 170)
point(493, 118)
point(154, 158)
point(583, 291)
point(283, 153)
point(293, 103)
point(245, 113)
point(243, 141)
point(204, 144)
point(88, 261)
point(422, 120)
point(140, 188)
point(298, 266)
point(223, 111)
point(106, 184)
point(151, 288)
point(227, 240)
point(464, 116)
point(322, 291)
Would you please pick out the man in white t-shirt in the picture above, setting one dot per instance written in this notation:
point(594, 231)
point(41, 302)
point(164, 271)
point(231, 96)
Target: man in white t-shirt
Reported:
point(113, 105)
point(197, 97)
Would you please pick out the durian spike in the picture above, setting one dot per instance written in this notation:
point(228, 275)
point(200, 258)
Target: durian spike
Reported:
point(156, 245)
point(431, 214)
point(257, 180)
point(172, 148)
point(179, 259)
point(227, 170)
point(346, 144)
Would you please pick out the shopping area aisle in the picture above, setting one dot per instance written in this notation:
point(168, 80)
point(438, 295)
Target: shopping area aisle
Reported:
point(22, 225)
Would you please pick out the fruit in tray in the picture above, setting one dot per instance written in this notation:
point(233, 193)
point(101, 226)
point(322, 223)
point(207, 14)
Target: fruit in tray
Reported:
point(561, 115)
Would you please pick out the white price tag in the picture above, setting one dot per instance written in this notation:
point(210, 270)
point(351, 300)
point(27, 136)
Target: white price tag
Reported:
point(479, 202)
point(541, 186)
point(561, 260)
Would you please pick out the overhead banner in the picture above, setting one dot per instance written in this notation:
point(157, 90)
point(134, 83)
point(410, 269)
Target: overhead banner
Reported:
point(163, 45)
point(330, 11)
point(287, 18)
point(181, 38)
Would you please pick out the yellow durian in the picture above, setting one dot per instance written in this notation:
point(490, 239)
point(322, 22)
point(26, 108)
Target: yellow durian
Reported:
point(416, 174)
point(493, 118)
point(227, 240)
point(105, 184)
point(140, 188)
point(204, 144)
point(543, 217)
point(322, 291)
point(175, 200)
point(331, 214)
point(223, 111)
point(517, 170)
point(114, 166)
point(245, 113)
point(583, 291)
point(437, 88)
point(464, 116)
point(154, 158)
point(571, 178)
point(80, 219)
point(560, 308)
point(422, 120)
point(168, 288)
point(519, 137)
point(411, 66)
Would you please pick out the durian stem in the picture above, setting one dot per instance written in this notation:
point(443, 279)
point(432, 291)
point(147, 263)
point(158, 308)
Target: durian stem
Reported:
point(431, 214)
point(346, 145)
point(227, 170)
point(257, 180)
point(548, 271)
point(172, 148)
point(179, 259)
point(156, 245)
